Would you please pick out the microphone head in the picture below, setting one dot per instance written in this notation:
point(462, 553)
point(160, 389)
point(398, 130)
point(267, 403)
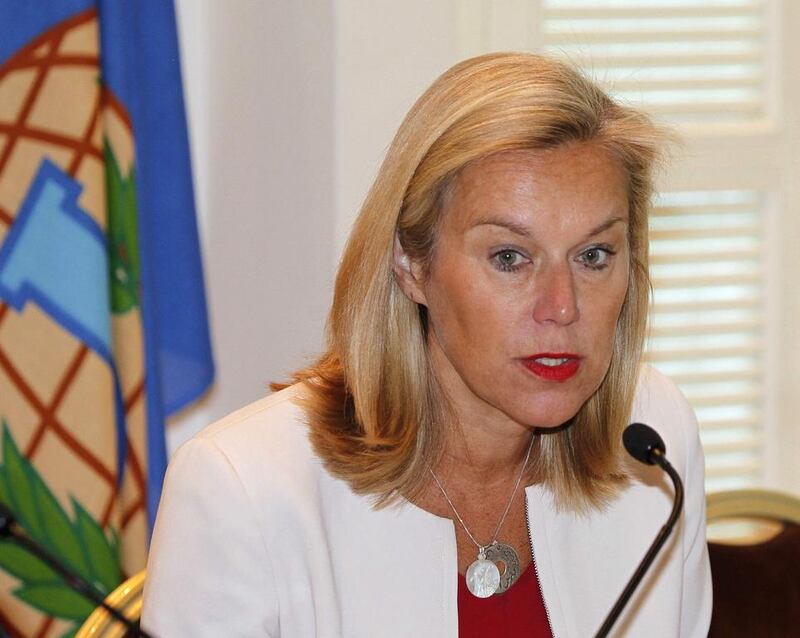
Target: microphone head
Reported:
point(641, 441)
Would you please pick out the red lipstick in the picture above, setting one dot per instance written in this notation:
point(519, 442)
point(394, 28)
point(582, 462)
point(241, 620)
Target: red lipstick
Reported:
point(553, 366)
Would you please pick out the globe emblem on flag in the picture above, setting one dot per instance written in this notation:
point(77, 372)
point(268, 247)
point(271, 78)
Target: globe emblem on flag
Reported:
point(71, 355)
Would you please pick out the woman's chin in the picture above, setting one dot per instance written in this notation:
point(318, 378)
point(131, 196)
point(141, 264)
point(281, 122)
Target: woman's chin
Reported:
point(550, 417)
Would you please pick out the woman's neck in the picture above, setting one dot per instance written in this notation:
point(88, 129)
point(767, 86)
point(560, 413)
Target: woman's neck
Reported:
point(476, 455)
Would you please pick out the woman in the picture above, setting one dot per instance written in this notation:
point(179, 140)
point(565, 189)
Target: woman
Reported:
point(485, 336)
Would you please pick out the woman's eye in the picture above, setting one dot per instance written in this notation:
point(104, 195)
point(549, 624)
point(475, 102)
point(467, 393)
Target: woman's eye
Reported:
point(596, 257)
point(508, 260)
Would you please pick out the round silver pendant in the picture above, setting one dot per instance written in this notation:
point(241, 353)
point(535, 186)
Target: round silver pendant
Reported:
point(483, 577)
point(505, 554)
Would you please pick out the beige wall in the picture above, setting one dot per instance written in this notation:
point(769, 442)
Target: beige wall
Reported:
point(291, 107)
point(259, 78)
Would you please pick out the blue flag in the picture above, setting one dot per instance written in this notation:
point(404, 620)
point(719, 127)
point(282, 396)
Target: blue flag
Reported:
point(103, 324)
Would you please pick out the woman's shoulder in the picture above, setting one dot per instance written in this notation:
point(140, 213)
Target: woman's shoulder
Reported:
point(272, 415)
point(658, 395)
point(659, 403)
point(268, 433)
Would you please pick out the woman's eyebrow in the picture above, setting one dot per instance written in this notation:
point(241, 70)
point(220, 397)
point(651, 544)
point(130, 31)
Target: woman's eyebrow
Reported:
point(519, 229)
point(606, 225)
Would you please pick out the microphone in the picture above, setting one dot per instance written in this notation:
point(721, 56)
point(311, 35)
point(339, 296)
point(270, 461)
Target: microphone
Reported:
point(11, 530)
point(645, 445)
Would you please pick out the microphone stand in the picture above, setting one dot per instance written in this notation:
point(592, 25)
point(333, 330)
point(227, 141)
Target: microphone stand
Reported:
point(656, 456)
point(11, 530)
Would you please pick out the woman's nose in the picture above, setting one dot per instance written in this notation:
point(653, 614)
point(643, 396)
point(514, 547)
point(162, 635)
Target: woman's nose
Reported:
point(555, 298)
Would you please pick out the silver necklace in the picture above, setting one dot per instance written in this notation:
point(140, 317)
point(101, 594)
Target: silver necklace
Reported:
point(483, 576)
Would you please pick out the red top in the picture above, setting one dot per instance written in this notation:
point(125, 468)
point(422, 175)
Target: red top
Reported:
point(517, 612)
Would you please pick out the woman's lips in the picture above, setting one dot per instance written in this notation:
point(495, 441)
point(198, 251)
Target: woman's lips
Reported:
point(553, 366)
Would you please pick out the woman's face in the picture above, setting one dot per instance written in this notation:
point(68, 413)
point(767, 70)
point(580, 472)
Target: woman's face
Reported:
point(528, 276)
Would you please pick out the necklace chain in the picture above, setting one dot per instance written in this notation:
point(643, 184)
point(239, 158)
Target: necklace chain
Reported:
point(505, 512)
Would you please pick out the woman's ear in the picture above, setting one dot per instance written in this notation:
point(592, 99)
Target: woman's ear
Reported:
point(408, 274)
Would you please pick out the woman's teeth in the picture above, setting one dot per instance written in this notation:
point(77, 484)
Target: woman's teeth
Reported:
point(547, 361)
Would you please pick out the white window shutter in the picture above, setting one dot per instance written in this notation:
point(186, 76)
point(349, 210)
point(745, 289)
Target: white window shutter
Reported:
point(707, 328)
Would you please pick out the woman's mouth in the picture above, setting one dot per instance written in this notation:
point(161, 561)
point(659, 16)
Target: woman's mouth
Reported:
point(551, 366)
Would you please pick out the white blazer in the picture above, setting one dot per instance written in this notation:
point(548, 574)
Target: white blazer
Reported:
point(254, 538)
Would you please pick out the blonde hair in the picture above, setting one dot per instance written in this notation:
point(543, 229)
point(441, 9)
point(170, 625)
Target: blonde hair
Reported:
point(376, 412)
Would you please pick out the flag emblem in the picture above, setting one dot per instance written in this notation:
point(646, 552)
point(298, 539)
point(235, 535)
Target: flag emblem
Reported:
point(80, 373)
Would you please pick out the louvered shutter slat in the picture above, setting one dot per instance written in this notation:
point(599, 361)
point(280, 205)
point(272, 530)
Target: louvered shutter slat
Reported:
point(704, 233)
point(700, 329)
point(703, 353)
point(686, 84)
point(644, 35)
point(733, 467)
point(752, 373)
point(635, 63)
point(708, 305)
point(750, 422)
point(621, 10)
point(711, 256)
point(743, 444)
